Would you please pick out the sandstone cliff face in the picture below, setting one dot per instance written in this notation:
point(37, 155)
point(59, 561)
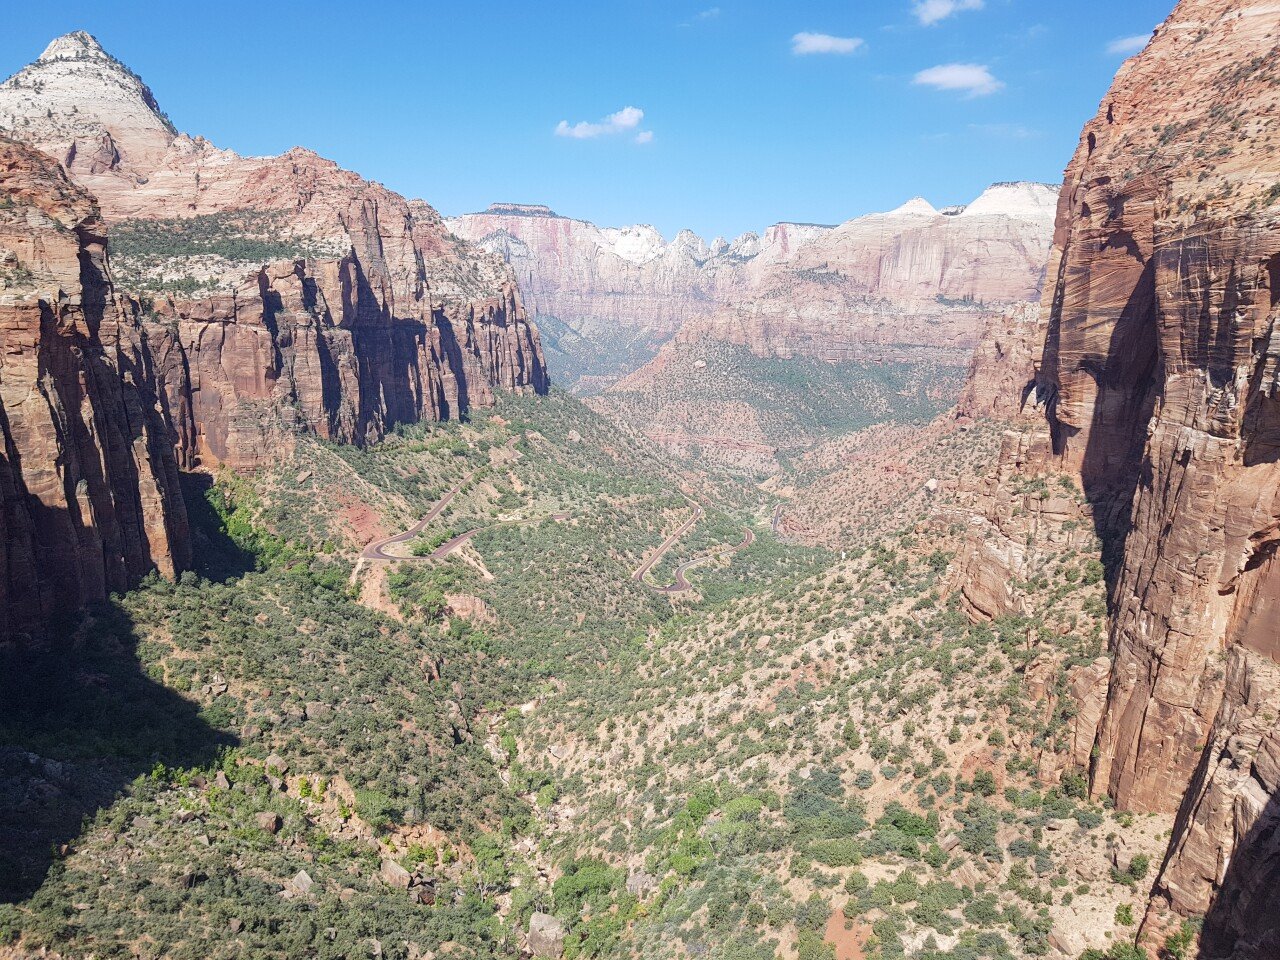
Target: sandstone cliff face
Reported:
point(1158, 371)
point(601, 279)
point(999, 380)
point(887, 284)
point(88, 481)
point(881, 284)
point(380, 317)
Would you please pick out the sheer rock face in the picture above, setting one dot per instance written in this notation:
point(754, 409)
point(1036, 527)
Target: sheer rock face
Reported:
point(913, 277)
point(1160, 370)
point(1000, 371)
point(601, 279)
point(891, 282)
point(392, 320)
point(286, 350)
point(88, 481)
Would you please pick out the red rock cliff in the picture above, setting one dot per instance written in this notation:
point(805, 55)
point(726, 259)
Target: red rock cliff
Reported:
point(1160, 369)
point(379, 317)
point(88, 481)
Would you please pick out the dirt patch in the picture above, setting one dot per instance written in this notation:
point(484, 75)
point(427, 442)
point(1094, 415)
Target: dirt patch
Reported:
point(469, 608)
point(361, 523)
point(849, 937)
point(373, 589)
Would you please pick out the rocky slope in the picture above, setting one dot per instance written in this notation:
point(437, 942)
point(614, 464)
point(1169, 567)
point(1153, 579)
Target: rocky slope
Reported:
point(281, 291)
point(87, 475)
point(1159, 370)
point(882, 283)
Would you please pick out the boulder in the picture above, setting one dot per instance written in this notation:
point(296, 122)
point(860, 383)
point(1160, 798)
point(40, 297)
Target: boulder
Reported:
point(301, 883)
point(268, 821)
point(546, 936)
point(639, 883)
point(394, 874)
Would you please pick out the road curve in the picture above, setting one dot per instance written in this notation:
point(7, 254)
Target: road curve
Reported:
point(682, 583)
point(378, 549)
point(446, 548)
point(666, 545)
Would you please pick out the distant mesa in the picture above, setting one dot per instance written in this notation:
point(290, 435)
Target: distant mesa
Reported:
point(520, 210)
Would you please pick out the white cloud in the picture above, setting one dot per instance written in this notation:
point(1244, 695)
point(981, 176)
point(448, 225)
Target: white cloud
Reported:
point(708, 14)
point(803, 44)
point(1128, 45)
point(625, 120)
point(644, 136)
point(971, 78)
point(930, 12)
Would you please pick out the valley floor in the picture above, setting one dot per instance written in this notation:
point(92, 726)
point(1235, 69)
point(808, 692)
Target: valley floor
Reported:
point(529, 670)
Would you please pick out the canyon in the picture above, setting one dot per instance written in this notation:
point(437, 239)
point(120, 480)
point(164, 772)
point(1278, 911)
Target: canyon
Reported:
point(709, 348)
point(1001, 633)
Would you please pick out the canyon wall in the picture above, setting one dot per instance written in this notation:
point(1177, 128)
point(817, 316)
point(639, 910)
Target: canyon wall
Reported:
point(887, 284)
point(1158, 374)
point(281, 292)
point(88, 480)
point(266, 296)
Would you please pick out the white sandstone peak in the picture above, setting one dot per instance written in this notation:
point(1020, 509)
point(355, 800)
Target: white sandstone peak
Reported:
point(77, 45)
point(80, 104)
point(1023, 199)
point(915, 207)
point(635, 244)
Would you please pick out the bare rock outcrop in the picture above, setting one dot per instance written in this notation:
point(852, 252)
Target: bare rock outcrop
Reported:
point(88, 479)
point(1159, 371)
point(999, 379)
point(378, 316)
point(876, 285)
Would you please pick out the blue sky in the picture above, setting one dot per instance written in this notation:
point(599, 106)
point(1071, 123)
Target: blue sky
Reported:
point(753, 111)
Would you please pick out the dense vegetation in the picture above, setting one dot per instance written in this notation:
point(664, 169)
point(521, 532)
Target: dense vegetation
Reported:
point(288, 753)
point(185, 254)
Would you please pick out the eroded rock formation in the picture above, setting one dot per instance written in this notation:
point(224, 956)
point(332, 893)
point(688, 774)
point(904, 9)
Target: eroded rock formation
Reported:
point(88, 479)
point(1159, 372)
point(874, 286)
point(367, 312)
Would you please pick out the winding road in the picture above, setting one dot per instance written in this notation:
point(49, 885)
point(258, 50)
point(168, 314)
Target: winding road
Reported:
point(682, 583)
point(666, 545)
point(377, 550)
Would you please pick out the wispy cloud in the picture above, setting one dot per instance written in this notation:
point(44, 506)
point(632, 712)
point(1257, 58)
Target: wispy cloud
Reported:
point(702, 16)
point(624, 121)
point(930, 12)
point(803, 44)
point(971, 78)
point(1006, 131)
point(1126, 46)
